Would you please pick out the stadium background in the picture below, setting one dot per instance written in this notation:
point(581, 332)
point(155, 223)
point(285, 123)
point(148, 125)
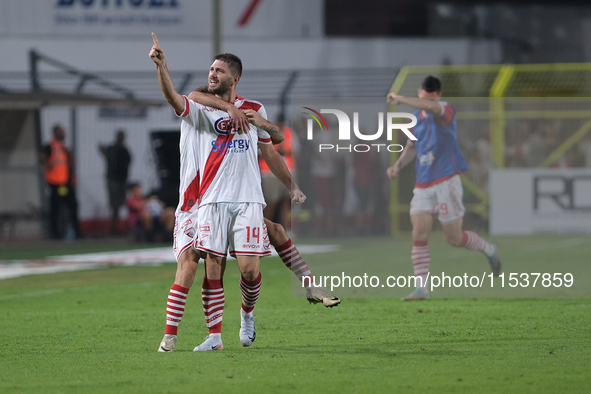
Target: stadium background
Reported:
point(519, 75)
point(66, 52)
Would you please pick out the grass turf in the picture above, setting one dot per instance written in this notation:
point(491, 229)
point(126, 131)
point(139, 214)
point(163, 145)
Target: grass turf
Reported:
point(98, 331)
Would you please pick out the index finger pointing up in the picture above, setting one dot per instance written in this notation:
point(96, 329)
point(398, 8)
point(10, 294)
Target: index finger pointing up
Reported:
point(155, 40)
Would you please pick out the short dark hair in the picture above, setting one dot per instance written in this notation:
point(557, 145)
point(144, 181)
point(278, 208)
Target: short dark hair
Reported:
point(431, 84)
point(233, 62)
point(133, 185)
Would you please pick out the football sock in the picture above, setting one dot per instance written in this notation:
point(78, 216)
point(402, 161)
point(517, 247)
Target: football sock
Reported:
point(472, 241)
point(420, 261)
point(293, 260)
point(175, 308)
point(250, 292)
point(212, 296)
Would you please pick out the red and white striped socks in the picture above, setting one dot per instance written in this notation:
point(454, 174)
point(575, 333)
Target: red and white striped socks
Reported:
point(175, 308)
point(293, 260)
point(421, 259)
point(472, 241)
point(250, 292)
point(212, 296)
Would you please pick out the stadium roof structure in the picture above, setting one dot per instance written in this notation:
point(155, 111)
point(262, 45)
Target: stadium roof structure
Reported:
point(43, 98)
point(34, 90)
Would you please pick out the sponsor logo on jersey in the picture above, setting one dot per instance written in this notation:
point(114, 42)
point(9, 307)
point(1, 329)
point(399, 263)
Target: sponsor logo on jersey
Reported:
point(251, 246)
point(204, 228)
point(234, 146)
point(223, 125)
point(426, 159)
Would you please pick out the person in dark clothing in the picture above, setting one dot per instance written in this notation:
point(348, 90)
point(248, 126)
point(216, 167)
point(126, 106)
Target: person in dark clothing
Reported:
point(118, 160)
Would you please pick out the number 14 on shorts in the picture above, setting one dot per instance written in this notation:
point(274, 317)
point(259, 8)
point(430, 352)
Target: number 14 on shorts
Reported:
point(253, 232)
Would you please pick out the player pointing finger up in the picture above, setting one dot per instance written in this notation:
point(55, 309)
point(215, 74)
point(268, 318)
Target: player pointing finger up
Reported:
point(156, 53)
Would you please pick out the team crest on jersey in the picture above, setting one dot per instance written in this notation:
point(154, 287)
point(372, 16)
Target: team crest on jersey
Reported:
point(223, 125)
point(190, 232)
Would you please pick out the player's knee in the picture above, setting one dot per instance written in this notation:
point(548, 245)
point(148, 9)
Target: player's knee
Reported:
point(420, 234)
point(277, 234)
point(250, 274)
point(453, 239)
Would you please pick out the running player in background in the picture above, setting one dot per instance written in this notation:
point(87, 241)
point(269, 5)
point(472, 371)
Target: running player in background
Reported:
point(278, 237)
point(439, 163)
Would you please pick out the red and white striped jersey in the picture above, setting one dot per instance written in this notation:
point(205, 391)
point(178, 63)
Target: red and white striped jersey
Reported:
point(218, 164)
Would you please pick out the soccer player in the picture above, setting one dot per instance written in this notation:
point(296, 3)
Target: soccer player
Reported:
point(439, 163)
point(186, 224)
point(228, 192)
point(277, 236)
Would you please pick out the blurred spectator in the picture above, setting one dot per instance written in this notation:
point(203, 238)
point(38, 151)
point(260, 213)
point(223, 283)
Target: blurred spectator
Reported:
point(484, 148)
point(477, 171)
point(553, 141)
point(518, 153)
point(324, 170)
point(585, 148)
point(118, 160)
point(276, 195)
point(536, 146)
point(364, 179)
point(58, 164)
point(149, 220)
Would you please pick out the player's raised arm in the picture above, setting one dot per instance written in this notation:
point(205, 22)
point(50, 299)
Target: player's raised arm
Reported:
point(274, 131)
point(203, 97)
point(166, 86)
point(279, 169)
point(426, 104)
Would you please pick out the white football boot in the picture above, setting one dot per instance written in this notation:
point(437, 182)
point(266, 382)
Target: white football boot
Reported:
point(212, 342)
point(248, 332)
point(168, 343)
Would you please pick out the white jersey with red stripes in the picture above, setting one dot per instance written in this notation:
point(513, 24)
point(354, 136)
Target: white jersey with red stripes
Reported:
point(225, 162)
point(189, 179)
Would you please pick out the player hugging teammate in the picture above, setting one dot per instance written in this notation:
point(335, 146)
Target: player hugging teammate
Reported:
point(221, 202)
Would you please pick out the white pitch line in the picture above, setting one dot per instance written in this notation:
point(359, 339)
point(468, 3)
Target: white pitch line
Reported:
point(79, 262)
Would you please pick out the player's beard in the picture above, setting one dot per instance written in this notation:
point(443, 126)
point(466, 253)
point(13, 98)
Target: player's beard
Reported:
point(222, 88)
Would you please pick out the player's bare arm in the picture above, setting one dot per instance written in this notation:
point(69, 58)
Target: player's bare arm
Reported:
point(408, 155)
point(157, 55)
point(274, 131)
point(203, 97)
point(426, 104)
point(280, 170)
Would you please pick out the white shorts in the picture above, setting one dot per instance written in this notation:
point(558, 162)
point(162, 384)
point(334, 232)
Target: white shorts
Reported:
point(185, 232)
point(444, 198)
point(237, 227)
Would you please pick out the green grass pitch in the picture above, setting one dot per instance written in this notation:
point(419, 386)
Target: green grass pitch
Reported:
point(98, 332)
